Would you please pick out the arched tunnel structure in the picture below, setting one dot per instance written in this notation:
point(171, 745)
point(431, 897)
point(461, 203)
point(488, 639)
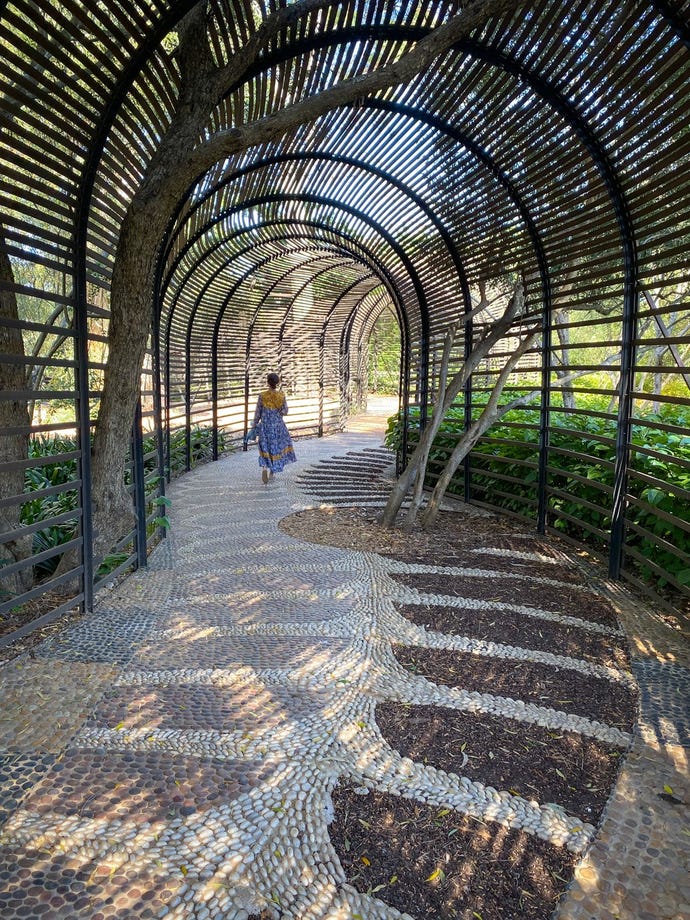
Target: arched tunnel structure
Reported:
point(549, 143)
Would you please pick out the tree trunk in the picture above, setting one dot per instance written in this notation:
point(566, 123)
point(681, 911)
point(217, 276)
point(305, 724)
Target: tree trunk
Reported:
point(14, 447)
point(563, 371)
point(490, 414)
point(418, 461)
point(132, 285)
point(183, 156)
point(423, 459)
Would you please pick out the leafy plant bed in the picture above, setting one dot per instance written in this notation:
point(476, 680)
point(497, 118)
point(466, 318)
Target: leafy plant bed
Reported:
point(436, 864)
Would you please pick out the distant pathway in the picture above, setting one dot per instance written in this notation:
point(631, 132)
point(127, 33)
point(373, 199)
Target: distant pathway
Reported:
point(173, 755)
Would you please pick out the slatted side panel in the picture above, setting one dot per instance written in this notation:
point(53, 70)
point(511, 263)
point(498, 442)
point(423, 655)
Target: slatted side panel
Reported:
point(551, 145)
point(61, 64)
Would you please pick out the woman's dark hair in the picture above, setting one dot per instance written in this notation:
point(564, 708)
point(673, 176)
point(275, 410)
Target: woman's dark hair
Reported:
point(273, 380)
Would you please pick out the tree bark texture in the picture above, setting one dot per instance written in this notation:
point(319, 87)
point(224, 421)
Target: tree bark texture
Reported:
point(490, 414)
point(181, 158)
point(418, 460)
point(14, 425)
point(423, 460)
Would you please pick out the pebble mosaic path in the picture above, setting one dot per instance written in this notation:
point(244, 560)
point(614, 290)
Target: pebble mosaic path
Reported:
point(173, 755)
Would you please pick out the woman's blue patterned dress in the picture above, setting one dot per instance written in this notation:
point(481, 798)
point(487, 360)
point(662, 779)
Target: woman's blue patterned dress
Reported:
point(275, 443)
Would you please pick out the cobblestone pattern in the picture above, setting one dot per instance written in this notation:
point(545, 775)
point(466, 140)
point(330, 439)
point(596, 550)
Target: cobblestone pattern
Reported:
point(44, 703)
point(173, 756)
point(664, 701)
point(110, 637)
point(19, 773)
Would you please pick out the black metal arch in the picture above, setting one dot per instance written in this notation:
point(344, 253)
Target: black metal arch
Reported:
point(368, 260)
point(384, 234)
point(360, 164)
point(616, 168)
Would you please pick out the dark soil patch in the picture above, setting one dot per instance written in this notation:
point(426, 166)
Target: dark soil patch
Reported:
point(438, 865)
point(359, 527)
point(582, 604)
point(556, 688)
point(508, 564)
point(521, 631)
point(571, 770)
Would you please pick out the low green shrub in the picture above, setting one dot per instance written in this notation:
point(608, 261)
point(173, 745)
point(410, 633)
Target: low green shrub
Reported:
point(580, 474)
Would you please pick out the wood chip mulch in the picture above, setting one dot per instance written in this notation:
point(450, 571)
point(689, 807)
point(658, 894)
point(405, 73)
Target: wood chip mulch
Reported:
point(582, 604)
point(436, 864)
point(544, 685)
point(542, 635)
point(432, 862)
point(506, 755)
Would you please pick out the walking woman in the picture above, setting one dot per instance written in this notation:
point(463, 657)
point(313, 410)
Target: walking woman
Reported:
point(275, 443)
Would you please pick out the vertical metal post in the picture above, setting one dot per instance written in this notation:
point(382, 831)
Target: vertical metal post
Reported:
point(139, 487)
point(423, 379)
point(467, 414)
point(188, 409)
point(81, 346)
point(322, 339)
point(246, 397)
point(158, 404)
point(404, 418)
point(214, 396)
point(168, 439)
point(624, 425)
point(545, 405)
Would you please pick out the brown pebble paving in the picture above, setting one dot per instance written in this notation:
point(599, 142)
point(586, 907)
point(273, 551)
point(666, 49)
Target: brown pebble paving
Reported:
point(574, 602)
point(222, 582)
point(562, 689)
point(236, 651)
point(223, 709)
point(522, 631)
point(143, 787)
point(34, 885)
point(248, 610)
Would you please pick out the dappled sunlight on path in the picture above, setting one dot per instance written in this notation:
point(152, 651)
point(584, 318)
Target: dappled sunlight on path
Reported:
point(176, 754)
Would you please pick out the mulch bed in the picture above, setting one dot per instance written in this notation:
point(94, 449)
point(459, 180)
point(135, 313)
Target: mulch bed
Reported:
point(506, 590)
point(434, 863)
point(542, 684)
point(521, 631)
point(572, 770)
point(360, 528)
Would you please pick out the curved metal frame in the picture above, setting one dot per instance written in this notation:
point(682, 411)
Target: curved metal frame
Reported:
point(626, 229)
